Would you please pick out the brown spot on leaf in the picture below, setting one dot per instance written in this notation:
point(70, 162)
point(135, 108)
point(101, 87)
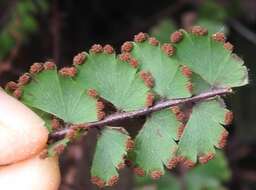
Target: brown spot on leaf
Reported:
point(11, 86)
point(187, 72)
point(100, 106)
point(36, 68)
point(229, 116)
point(100, 115)
point(205, 158)
point(92, 92)
point(121, 165)
point(176, 37)
point(223, 139)
point(156, 174)
point(139, 171)
point(49, 65)
point(150, 99)
point(175, 109)
point(68, 71)
point(181, 129)
point(96, 48)
point(180, 116)
point(147, 78)
point(79, 58)
point(219, 37)
point(153, 41)
point(98, 181)
point(199, 31)
point(134, 62)
point(168, 49)
point(113, 180)
point(188, 163)
point(108, 49)
point(24, 79)
point(172, 163)
point(55, 123)
point(125, 57)
point(189, 86)
point(228, 46)
point(18, 93)
point(129, 144)
point(140, 37)
point(127, 47)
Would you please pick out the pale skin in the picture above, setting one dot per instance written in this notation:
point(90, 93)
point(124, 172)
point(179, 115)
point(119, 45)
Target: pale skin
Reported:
point(22, 138)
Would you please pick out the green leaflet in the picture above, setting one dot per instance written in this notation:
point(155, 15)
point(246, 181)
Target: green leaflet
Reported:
point(169, 81)
point(109, 155)
point(208, 58)
point(60, 96)
point(114, 80)
point(155, 145)
point(204, 130)
point(209, 176)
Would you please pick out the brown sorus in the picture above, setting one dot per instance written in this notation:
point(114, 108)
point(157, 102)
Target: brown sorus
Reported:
point(98, 181)
point(79, 58)
point(129, 144)
point(108, 49)
point(36, 68)
point(113, 180)
point(55, 123)
point(228, 46)
point(176, 37)
point(150, 99)
point(181, 129)
point(68, 71)
point(24, 79)
point(187, 72)
point(147, 78)
point(219, 37)
point(125, 56)
point(133, 62)
point(11, 86)
point(100, 115)
point(127, 47)
point(168, 49)
point(92, 92)
point(223, 139)
point(228, 118)
point(139, 171)
point(199, 31)
point(156, 174)
point(18, 93)
point(140, 37)
point(49, 65)
point(153, 41)
point(205, 158)
point(96, 48)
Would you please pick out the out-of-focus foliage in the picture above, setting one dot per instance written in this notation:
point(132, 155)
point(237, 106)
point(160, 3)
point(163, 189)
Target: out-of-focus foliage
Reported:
point(20, 22)
point(213, 22)
point(163, 29)
point(210, 176)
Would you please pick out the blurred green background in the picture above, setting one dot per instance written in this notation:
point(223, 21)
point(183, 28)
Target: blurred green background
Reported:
point(39, 30)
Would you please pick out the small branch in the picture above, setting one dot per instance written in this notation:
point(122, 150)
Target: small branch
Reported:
point(145, 111)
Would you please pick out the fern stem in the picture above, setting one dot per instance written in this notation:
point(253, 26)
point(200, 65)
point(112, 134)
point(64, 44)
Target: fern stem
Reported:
point(145, 111)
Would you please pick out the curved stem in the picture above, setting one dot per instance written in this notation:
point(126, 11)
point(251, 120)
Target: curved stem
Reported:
point(145, 111)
